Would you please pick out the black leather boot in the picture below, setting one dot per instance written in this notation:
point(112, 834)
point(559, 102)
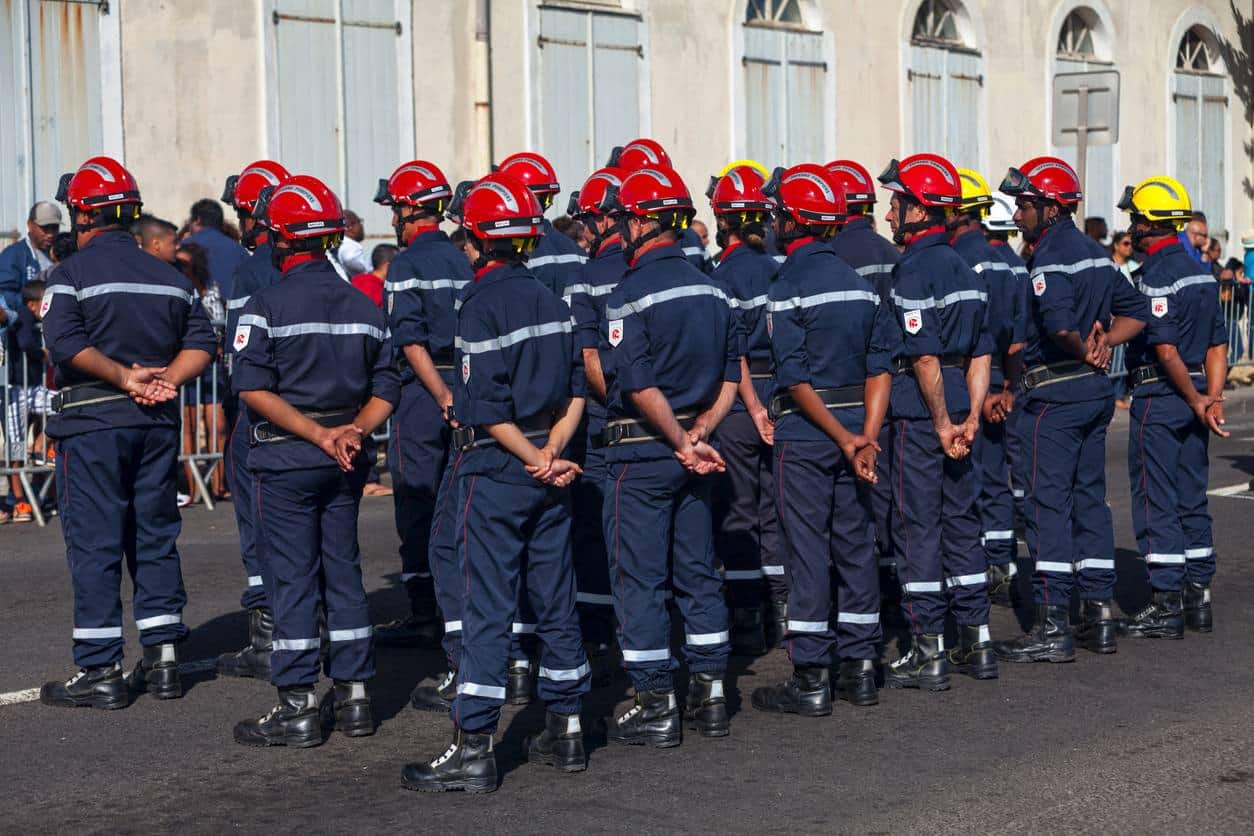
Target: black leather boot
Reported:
point(707, 707)
point(294, 721)
point(435, 694)
point(469, 764)
point(600, 663)
point(102, 686)
point(776, 626)
point(423, 627)
point(1049, 640)
point(974, 656)
point(1001, 584)
point(925, 666)
point(560, 744)
point(1097, 627)
point(807, 693)
point(1197, 610)
point(1162, 618)
point(748, 632)
point(855, 683)
point(520, 683)
point(346, 709)
point(653, 719)
point(253, 661)
point(158, 672)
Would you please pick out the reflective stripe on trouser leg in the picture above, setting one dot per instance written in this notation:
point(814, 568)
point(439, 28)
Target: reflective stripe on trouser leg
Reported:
point(1094, 531)
point(244, 505)
point(417, 454)
point(637, 517)
point(962, 559)
point(698, 587)
point(994, 503)
point(918, 467)
point(1153, 468)
point(446, 575)
point(153, 556)
point(594, 601)
point(1199, 551)
point(348, 615)
point(736, 509)
point(550, 584)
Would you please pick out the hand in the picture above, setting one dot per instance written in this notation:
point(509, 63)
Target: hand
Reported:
point(340, 443)
point(969, 429)
point(855, 445)
point(953, 441)
point(864, 464)
point(766, 427)
point(991, 411)
point(1214, 419)
point(1098, 350)
point(445, 403)
point(700, 458)
point(560, 473)
point(699, 432)
point(1007, 402)
point(146, 386)
point(541, 470)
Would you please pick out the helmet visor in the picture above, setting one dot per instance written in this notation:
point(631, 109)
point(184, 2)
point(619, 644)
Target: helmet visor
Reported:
point(228, 191)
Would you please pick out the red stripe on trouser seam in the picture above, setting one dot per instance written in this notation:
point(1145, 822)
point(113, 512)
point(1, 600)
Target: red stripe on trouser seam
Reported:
point(465, 528)
point(780, 504)
point(1036, 501)
point(618, 567)
point(439, 516)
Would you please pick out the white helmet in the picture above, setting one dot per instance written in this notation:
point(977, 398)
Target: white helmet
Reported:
point(1000, 217)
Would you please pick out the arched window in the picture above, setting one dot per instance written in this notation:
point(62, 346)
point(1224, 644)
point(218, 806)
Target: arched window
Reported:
point(1084, 44)
point(784, 80)
point(1199, 104)
point(944, 77)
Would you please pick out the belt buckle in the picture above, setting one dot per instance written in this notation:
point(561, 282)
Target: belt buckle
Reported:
point(613, 434)
point(775, 407)
point(463, 437)
point(57, 402)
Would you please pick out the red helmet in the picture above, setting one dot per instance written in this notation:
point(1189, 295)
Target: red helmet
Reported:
point(414, 184)
point(533, 170)
point(640, 153)
point(649, 192)
point(929, 179)
point(99, 182)
point(738, 190)
point(303, 207)
point(859, 187)
point(501, 206)
point(1044, 177)
point(590, 199)
point(243, 189)
point(809, 194)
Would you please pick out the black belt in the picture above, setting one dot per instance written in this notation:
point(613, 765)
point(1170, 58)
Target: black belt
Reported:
point(265, 432)
point(760, 369)
point(631, 430)
point(1059, 372)
point(1152, 373)
point(837, 398)
point(85, 394)
point(471, 438)
point(947, 361)
point(442, 363)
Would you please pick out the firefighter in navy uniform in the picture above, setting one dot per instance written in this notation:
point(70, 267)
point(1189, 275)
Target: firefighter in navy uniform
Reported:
point(673, 363)
point(938, 392)
point(1177, 368)
point(1080, 307)
point(519, 402)
point(1007, 325)
point(124, 331)
point(832, 341)
point(313, 368)
point(557, 258)
point(242, 191)
point(586, 296)
point(647, 153)
point(420, 294)
point(746, 526)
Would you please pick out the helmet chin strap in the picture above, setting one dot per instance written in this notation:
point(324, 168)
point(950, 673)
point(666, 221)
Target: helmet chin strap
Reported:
point(599, 238)
point(630, 247)
point(1042, 223)
point(1143, 228)
point(906, 229)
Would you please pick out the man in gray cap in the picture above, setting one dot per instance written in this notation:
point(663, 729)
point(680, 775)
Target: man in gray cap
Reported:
point(22, 261)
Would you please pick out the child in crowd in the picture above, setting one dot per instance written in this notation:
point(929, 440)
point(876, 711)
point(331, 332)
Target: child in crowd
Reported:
point(26, 392)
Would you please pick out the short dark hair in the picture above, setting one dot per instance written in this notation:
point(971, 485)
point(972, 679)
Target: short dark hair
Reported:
point(149, 227)
point(382, 254)
point(208, 212)
point(351, 217)
point(199, 263)
point(1234, 264)
point(32, 291)
point(1199, 216)
point(64, 246)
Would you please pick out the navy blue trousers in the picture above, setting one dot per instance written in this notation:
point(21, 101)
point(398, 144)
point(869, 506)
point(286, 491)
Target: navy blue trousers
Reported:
point(995, 503)
point(244, 502)
point(657, 517)
point(882, 497)
point(500, 523)
point(746, 529)
point(935, 495)
point(417, 452)
point(826, 522)
point(1168, 468)
point(307, 526)
point(1069, 530)
point(592, 576)
point(118, 502)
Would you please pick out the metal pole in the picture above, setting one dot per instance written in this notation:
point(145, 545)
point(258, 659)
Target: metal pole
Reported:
point(1082, 142)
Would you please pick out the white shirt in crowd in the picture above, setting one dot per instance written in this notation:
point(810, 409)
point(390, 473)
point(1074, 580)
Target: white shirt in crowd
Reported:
point(353, 256)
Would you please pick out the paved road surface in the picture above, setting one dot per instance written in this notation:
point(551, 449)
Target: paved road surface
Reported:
point(1154, 739)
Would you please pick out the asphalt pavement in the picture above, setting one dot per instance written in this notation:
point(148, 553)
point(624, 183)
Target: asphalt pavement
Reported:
point(1156, 738)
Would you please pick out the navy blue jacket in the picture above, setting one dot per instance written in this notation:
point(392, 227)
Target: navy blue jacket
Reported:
point(868, 252)
point(1184, 311)
point(941, 307)
point(319, 344)
point(747, 274)
point(586, 297)
point(556, 259)
point(420, 297)
point(133, 308)
point(828, 328)
point(255, 273)
point(519, 363)
point(1007, 299)
point(24, 345)
point(694, 250)
point(225, 257)
point(18, 266)
point(667, 326)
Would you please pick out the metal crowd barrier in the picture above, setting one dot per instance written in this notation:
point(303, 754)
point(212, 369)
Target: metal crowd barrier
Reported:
point(1234, 299)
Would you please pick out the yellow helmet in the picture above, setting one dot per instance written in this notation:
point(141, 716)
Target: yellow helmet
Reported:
point(976, 194)
point(754, 164)
point(1162, 199)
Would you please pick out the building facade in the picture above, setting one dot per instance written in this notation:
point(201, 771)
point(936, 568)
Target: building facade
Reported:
point(187, 91)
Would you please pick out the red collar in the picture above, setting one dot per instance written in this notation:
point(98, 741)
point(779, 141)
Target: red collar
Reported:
point(728, 250)
point(800, 242)
point(488, 268)
point(1166, 242)
point(293, 261)
point(923, 233)
point(422, 229)
point(648, 246)
point(613, 239)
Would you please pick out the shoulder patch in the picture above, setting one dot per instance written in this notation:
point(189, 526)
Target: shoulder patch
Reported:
point(614, 332)
point(913, 321)
point(242, 334)
point(465, 368)
point(1158, 306)
point(1038, 285)
point(770, 325)
point(45, 304)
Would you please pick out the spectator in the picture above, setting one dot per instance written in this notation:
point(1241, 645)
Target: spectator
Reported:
point(1214, 255)
point(371, 282)
point(63, 246)
point(206, 227)
point(24, 348)
point(22, 260)
point(703, 232)
point(1234, 299)
point(1247, 244)
point(572, 229)
point(202, 398)
point(1121, 254)
point(156, 237)
point(1195, 236)
point(351, 253)
point(1096, 229)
